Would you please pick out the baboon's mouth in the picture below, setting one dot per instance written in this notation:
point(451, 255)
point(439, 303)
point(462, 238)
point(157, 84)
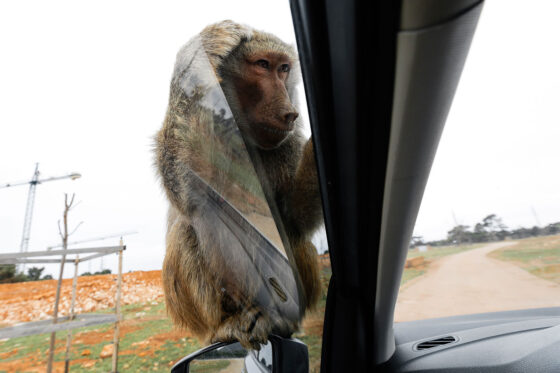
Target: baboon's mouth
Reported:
point(269, 136)
point(276, 129)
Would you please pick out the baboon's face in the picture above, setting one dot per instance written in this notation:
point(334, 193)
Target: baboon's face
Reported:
point(264, 99)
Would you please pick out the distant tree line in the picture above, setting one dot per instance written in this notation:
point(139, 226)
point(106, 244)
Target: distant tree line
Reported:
point(102, 272)
point(8, 274)
point(491, 228)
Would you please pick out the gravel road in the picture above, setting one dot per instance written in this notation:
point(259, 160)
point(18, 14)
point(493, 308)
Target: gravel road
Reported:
point(472, 282)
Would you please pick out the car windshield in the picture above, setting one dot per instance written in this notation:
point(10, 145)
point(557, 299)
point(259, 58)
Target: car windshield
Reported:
point(487, 234)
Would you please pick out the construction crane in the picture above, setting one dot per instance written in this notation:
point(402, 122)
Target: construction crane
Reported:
point(31, 201)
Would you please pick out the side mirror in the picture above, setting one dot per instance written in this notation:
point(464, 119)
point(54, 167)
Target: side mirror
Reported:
point(279, 355)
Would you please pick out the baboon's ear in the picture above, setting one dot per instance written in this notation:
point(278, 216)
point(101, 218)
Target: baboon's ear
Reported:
point(221, 38)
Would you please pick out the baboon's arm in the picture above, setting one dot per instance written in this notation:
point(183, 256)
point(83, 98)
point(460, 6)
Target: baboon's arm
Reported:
point(304, 199)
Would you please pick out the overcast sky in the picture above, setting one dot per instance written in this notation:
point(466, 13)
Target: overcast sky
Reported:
point(84, 88)
point(500, 151)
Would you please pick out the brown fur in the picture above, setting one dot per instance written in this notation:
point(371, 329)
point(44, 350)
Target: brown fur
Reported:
point(209, 289)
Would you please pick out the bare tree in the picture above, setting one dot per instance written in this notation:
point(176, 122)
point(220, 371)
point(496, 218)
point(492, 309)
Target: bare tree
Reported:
point(67, 207)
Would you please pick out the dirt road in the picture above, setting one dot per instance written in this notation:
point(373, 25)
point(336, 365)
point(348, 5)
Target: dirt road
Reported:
point(472, 282)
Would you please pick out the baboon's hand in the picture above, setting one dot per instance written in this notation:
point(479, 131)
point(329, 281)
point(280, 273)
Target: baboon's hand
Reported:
point(251, 328)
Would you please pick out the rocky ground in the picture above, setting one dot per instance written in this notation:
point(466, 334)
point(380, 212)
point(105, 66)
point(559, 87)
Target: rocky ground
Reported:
point(33, 301)
point(148, 339)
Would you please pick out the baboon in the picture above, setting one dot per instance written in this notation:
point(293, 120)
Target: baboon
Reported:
point(209, 283)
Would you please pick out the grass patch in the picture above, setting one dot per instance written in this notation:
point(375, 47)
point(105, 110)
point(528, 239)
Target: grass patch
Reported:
point(539, 256)
point(410, 273)
point(312, 328)
point(148, 342)
point(314, 345)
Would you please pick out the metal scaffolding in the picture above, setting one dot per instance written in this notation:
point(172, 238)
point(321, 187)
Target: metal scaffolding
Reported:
point(72, 321)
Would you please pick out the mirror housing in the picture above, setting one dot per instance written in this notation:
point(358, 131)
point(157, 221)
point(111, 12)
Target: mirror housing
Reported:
point(288, 355)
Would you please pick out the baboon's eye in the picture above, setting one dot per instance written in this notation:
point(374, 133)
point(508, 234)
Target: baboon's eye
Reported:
point(263, 63)
point(285, 68)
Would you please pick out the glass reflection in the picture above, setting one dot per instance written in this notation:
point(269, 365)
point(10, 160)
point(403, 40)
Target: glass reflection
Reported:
point(236, 221)
point(234, 358)
point(224, 162)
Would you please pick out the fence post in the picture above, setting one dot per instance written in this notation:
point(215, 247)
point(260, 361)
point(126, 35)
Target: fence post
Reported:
point(118, 313)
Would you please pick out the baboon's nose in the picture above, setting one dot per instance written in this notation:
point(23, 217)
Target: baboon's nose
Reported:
point(290, 117)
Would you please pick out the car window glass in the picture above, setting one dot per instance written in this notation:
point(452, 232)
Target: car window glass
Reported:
point(225, 179)
point(85, 88)
point(224, 168)
point(487, 234)
point(236, 228)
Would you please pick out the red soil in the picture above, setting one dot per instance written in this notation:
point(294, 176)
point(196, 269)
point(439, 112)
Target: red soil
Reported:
point(33, 301)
